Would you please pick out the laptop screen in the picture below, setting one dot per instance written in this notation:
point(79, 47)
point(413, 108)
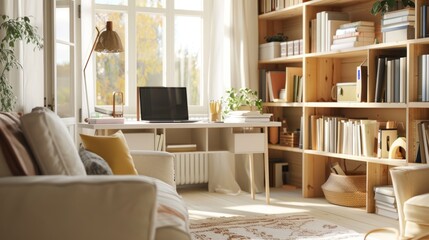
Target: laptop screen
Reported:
point(163, 103)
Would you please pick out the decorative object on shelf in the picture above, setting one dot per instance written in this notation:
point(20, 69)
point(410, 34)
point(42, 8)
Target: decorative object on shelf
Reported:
point(279, 37)
point(13, 30)
point(383, 6)
point(215, 111)
point(118, 100)
point(273, 135)
point(107, 41)
point(241, 99)
point(399, 145)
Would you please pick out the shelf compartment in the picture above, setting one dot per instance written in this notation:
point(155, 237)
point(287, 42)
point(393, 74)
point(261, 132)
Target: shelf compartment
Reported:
point(284, 148)
point(285, 13)
point(355, 105)
point(196, 136)
point(384, 161)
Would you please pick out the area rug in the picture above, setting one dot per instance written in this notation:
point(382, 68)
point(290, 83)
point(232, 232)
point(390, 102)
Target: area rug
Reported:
point(269, 227)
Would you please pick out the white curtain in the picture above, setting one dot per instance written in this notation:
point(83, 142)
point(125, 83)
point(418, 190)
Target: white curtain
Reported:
point(28, 83)
point(233, 46)
point(233, 62)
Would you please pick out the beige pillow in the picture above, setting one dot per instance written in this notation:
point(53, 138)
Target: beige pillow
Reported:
point(51, 143)
point(114, 150)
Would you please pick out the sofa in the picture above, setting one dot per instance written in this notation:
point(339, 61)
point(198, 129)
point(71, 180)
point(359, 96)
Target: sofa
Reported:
point(46, 193)
point(411, 187)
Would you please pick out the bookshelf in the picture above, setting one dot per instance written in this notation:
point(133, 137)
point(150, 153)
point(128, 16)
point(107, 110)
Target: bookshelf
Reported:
point(323, 70)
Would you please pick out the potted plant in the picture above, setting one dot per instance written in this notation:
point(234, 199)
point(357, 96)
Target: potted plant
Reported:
point(383, 6)
point(241, 99)
point(13, 30)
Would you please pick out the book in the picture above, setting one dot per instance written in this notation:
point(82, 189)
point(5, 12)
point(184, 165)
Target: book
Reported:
point(391, 206)
point(106, 120)
point(313, 131)
point(355, 34)
point(263, 85)
point(347, 45)
point(398, 34)
point(399, 13)
point(369, 134)
point(354, 29)
point(384, 198)
point(402, 79)
point(181, 147)
point(385, 190)
point(353, 39)
point(357, 24)
point(386, 213)
point(424, 21)
point(276, 82)
point(396, 20)
point(397, 26)
point(290, 73)
point(379, 82)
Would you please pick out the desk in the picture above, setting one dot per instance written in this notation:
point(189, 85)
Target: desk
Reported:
point(237, 138)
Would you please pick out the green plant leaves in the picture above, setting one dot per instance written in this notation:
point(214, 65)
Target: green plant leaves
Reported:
point(13, 30)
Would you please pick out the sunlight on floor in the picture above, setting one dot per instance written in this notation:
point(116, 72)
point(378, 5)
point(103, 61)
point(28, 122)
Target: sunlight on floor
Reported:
point(266, 209)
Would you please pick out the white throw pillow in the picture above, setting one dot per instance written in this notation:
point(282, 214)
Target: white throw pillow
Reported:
point(51, 143)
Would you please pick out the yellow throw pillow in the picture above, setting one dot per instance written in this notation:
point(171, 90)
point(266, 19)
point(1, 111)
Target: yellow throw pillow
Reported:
point(114, 150)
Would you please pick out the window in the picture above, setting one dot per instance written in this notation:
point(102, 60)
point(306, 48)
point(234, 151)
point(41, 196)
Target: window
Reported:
point(163, 42)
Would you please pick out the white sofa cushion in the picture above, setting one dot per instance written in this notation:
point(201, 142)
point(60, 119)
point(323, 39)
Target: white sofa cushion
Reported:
point(416, 209)
point(51, 143)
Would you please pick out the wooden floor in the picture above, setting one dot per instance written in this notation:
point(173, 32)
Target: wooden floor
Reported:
point(203, 204)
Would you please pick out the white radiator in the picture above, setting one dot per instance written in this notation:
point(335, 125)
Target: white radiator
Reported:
point(191, 168)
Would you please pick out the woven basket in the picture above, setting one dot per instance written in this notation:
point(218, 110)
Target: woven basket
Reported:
point(346, 190)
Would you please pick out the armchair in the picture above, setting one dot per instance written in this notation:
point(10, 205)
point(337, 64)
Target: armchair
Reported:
point(411, 188)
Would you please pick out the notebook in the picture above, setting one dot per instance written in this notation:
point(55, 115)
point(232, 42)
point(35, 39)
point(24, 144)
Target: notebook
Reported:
point(164, 104)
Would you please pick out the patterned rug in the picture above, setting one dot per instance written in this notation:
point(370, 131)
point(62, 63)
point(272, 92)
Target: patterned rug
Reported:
point(269, 227)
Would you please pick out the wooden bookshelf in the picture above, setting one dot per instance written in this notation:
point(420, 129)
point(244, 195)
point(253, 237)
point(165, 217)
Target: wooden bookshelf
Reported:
point(322, 70)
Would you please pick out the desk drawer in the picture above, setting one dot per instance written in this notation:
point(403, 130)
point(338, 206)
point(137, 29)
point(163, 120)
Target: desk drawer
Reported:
point(248, 143)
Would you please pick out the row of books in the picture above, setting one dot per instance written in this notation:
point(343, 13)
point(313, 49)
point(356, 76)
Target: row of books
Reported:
point(159, 140)
point(266, 6)
point(323, 29)
point(385, 201)
point(398, 25)
point(282, 86)
point(390, 85)
point(423, 78)
point(353, 34)
point(358, 137)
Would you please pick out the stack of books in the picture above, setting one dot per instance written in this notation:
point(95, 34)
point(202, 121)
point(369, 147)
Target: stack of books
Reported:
point(354, 34)
point(385, 201)
point(398, 25)
point(247, 116)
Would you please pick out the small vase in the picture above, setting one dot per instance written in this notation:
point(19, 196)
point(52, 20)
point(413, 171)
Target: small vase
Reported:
point(273, 135)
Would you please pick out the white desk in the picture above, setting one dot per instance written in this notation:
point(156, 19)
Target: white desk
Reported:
point(237, 138)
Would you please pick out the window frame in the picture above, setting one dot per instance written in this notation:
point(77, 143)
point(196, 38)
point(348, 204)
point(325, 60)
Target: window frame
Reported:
point(130, 45)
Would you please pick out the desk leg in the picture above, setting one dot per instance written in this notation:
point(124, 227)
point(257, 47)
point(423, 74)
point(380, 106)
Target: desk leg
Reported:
point(252, 176)
point(266, 167)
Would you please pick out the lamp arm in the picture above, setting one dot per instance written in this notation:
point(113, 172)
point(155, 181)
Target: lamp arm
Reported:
point(84, 72)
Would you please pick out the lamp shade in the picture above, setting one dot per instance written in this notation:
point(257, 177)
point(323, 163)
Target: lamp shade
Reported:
point(109, 41)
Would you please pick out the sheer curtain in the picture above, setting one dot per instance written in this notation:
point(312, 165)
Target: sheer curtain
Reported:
point(233, 62)
point(28, 83)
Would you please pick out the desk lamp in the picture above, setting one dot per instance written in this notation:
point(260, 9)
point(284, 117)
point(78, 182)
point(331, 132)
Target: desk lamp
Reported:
point(107, 41)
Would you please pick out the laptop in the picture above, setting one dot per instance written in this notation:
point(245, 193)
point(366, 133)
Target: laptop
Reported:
point(164, 104)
